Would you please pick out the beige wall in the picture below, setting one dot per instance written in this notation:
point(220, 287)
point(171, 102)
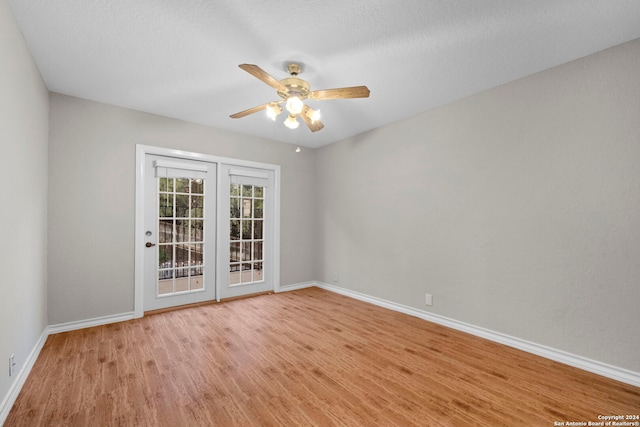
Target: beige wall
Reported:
point(92, 191)
point(517, 208)
point(23, 208)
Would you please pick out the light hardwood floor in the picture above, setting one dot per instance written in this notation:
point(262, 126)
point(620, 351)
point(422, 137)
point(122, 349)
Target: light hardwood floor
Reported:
point(301, 358)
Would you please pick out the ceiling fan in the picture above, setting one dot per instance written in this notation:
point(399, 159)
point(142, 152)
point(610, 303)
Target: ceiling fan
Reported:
point(293, 92)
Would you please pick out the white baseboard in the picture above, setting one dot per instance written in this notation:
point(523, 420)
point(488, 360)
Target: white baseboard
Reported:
point(14, 390)
point(609, 371)
point(297, 286)
point(81, 324)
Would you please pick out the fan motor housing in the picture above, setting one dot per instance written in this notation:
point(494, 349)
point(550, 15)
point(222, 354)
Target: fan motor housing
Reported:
point(295, 87)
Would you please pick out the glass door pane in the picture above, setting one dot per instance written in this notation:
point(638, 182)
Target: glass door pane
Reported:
point(181, 219)
point(246, 210)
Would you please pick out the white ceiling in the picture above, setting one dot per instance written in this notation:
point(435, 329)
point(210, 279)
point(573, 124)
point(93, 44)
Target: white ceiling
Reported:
point(179, 58)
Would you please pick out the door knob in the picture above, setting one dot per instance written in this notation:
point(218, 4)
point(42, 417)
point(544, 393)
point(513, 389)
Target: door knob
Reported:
point(149, 244)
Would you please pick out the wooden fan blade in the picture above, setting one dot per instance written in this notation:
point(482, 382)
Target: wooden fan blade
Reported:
point(250, 111)
point(306, 115)
point(259, 73)
point(341, 93)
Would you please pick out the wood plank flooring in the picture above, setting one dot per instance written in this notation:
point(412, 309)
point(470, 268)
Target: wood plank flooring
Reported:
point(301, 358)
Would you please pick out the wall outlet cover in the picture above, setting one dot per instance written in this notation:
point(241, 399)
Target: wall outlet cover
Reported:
point(428, 299)
point(12, 365)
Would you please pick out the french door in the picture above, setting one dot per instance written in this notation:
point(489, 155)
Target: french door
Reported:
point(246, 224)
point(180, 232)
point(207, 228)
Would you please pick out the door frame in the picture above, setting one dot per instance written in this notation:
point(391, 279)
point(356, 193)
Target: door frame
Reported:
point(139, 239)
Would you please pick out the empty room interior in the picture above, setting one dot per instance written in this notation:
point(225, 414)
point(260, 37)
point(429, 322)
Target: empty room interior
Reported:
point(329, 213)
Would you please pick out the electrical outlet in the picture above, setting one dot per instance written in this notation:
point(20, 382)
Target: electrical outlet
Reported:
point(428, 299)
point(12, 365)
point(335, 277)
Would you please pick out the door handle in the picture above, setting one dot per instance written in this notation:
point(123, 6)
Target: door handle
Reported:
point(149, 244)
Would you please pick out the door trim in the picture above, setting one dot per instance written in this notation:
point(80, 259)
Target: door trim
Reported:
point(141, 173)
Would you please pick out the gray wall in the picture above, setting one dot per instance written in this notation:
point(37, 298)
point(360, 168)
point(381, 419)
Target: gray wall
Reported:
point(23, 209)
point(92, 194)
point(517, 208)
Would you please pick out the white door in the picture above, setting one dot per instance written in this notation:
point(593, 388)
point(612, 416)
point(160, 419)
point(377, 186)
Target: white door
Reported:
point(246, 244)
point(180, 232)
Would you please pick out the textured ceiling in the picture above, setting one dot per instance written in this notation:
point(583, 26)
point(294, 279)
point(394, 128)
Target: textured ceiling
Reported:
point(179, 58)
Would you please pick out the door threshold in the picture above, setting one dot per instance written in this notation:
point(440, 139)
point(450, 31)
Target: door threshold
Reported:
point(179, 307)
point(203, 303)
point(257, 294)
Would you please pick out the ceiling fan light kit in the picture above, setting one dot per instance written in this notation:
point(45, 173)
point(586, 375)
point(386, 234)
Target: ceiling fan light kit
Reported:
point(294, 105)
point(291, 122)
point(273, 110)
point(293, 92)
